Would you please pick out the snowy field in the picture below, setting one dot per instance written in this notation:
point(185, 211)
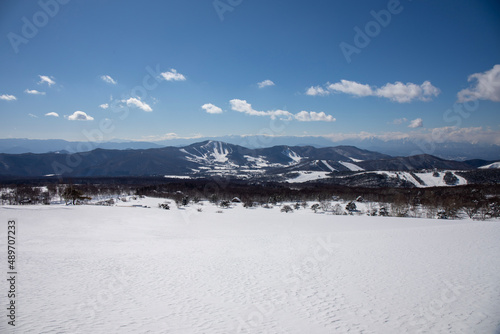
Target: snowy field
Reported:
point(91, 269)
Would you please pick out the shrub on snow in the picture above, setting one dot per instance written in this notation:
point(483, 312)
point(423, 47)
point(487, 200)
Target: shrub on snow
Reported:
point(315, 207)
point(351, 206)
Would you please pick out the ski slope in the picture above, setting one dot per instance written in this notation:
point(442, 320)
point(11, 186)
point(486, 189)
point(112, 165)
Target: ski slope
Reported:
point(427, 177)
point(90, 269)
point(308, 176)
point(351, 166)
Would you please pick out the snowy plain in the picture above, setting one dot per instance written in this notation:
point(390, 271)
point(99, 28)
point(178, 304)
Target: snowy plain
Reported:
point(124, 269)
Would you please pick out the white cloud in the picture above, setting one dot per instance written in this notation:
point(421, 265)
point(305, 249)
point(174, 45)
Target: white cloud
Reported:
point(211, 109)
point(46, 79)
point(31, 115)
point(104, 106)
point(138, 103)
point(429, 90)
point(351, 87)
point(173, 75)
point(303, 116)
point(265, 83)
point(400, 121)
point(281, 114)
point(245, 107)
point(440, 135)
point(386, 136)
point(403, 93)
point(80, 116)
point(8, 97)
point(470, 135)
point(451, 134)
point(170, 136)
point(53, 114)
point(486, 87)
point(34, 92)
point(416, 123)
point(312, 116)
point(315, 91)
point(108, 79)
point(396, 92)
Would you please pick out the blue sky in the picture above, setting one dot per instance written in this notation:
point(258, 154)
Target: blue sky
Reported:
point(152, 70)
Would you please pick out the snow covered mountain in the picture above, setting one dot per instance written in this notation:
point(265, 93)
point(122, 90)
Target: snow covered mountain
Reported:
point(494, 165)
point(216, 158)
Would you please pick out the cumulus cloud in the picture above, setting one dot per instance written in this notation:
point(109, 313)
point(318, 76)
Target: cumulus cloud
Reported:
point(241, 106)
point(312, 116)
point(429, 90)
point(173, 75)
point(53, 114)
point(403, 93)
point(46, 79)
point(351, 87)
point(303, 116)
point(135, 102)
point(245, 107)
point(80, 116)
point(485, 87)
point(265, 83)
point(317, 91)
point(8, 97)
point(104, 106)
point(416, 123)
point(396, 92)
point(108, 79)
point(31, 115)
point(211, 109)
point(34, 92)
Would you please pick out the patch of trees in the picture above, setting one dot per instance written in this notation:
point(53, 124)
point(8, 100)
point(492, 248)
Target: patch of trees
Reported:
point(475, 201)
point(481, 176)
point(73, 195)
point(450, 179)
point(23, 194)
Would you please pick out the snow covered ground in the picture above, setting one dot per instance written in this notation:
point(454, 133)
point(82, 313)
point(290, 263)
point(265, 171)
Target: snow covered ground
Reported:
point(91, 269)
point(351, 166)
point(308, 176)
point(491, 166)
point(429, 179)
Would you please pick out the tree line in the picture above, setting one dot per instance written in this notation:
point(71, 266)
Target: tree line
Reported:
point(443, 202)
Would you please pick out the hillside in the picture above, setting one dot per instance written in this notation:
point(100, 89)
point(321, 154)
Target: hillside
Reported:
point(210, 158)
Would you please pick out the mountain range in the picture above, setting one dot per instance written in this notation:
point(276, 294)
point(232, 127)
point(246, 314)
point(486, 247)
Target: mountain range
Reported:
point(393, 147)
point(214, 158)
